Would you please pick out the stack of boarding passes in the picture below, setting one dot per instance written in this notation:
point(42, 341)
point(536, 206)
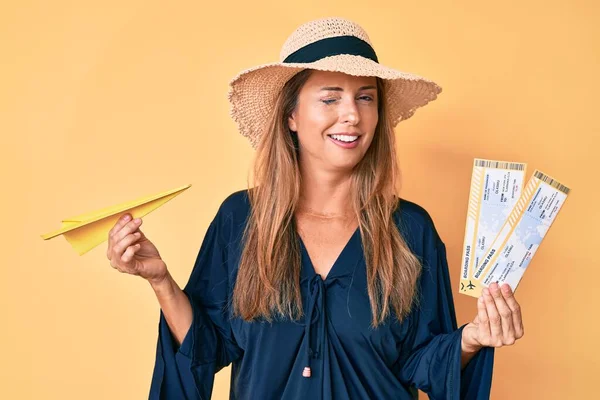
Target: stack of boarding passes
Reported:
point(506, 222)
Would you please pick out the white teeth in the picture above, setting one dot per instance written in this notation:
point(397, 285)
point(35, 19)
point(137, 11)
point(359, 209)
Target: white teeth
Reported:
point(345, 138)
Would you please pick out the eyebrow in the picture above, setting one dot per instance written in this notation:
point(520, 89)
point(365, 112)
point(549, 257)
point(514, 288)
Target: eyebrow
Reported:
point(339, 89)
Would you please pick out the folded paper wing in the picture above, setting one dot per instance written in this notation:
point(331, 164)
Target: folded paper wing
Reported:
point(86, 231)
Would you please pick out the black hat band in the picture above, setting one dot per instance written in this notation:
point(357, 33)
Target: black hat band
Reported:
point(332, 46)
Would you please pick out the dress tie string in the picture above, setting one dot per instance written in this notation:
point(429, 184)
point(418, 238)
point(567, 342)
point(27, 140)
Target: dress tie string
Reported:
point(315, 315)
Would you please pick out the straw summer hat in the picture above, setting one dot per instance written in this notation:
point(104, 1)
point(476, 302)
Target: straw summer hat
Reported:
point(327, 44)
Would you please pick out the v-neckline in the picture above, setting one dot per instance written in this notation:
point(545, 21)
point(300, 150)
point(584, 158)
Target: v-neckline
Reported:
point(338, 259)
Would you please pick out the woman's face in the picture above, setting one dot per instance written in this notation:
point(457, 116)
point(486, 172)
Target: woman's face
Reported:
point(335, 119)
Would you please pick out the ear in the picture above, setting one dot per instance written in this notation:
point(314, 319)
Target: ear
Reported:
point(292, 122)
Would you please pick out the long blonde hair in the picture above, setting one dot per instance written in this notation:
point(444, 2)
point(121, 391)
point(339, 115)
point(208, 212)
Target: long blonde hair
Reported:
point(268, 279)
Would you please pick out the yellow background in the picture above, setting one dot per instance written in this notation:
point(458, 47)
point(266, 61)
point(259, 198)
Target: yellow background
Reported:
point(105, 101)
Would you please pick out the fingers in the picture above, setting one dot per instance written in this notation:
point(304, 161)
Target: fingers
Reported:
point(122, 228)
point(506, 321)
point(515, 308)
point(126, 262)
point(122, 244)
point(128, 228)
point(495, 321)
point(122, 221)
point(129, 253)
point(483, 320)
point(116, 228)
point(123, 252)
point(498, 319)
point(127, 241)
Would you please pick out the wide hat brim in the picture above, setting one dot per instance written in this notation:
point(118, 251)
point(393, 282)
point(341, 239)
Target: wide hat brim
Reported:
point(253, 92)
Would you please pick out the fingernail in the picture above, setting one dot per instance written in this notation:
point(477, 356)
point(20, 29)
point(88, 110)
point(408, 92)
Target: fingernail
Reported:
point(486, 291)
point(137, 220)
point(125, 217)
point(506, 288)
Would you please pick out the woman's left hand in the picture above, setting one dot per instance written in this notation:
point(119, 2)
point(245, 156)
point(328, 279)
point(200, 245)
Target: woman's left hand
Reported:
point(498, 322)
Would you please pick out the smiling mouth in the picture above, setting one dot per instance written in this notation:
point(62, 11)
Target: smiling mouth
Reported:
point(345, 138)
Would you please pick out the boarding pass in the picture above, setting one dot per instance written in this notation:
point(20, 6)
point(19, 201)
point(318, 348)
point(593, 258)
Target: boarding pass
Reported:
point(519, 234)
point(495, 189)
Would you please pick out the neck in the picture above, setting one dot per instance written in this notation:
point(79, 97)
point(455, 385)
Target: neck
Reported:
point(325, 193)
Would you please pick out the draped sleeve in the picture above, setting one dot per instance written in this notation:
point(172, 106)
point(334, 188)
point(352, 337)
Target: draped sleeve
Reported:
point(187, 371)
point(433, 361)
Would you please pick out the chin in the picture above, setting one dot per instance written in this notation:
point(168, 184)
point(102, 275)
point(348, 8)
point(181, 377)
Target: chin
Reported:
point(344, 165)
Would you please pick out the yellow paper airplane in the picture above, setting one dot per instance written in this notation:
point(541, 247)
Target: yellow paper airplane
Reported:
point(86, 231)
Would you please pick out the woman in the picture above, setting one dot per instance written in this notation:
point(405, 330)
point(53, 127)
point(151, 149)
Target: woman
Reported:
point(319, 282)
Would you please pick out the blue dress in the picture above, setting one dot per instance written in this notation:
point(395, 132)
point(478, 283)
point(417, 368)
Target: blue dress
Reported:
point(348, 359)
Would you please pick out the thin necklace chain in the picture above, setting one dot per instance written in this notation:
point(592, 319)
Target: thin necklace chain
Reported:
point(309, 211)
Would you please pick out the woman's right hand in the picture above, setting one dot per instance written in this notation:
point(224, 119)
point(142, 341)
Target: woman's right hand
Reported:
point(130, 251)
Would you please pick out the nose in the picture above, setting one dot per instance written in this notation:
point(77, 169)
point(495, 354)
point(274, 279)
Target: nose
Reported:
point(350, 113)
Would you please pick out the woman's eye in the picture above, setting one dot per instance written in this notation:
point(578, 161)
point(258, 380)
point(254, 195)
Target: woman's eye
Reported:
point(365, 98)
